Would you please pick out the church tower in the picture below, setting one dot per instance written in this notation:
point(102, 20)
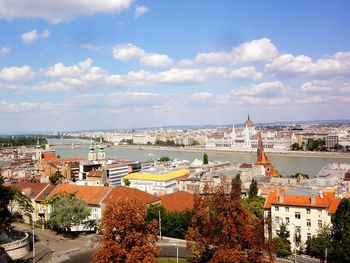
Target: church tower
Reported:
point(38, 151)
point(101, 155)
point(262, 159)
point(92, 154)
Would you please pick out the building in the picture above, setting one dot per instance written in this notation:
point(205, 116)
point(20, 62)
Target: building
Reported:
point(116, 172)
point(262, 159)
point(159, 182)
point(304, 212)
point(246, 138)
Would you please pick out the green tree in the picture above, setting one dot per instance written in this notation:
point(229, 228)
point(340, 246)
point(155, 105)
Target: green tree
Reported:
point(296, 147)
point(281, 242)
point(341, 233)
point(253, 189)
point(56, 177)
point(67, 211)
point(255, 205)
point(126, 182)
point(236, 187)
point(164, 159)
point(205, 159)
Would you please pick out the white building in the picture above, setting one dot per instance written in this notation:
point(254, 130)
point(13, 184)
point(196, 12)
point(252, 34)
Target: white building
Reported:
point(246, 139)
point(304, 213)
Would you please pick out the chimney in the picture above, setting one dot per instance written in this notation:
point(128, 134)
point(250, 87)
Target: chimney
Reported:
point(313, 200)
point(321, 194)
point(281, 198)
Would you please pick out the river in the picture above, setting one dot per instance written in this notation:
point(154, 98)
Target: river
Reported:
point(286, 165)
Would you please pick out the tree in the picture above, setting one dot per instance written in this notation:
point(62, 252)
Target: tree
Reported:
point(12, 203)
point(174, 224)
point(67, 211)
point(296, 147)
point(56, 177)
point(341, 233)
point(223, 231)
point(255, 205)
point(205, 159)
point(236, 187)
point(164, 159)
point(126, 182)
point(126, 237)
point(282, 242)
point(253, 189)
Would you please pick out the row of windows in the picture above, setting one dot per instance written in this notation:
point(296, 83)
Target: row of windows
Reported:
point(308, 210)
point(308, 221)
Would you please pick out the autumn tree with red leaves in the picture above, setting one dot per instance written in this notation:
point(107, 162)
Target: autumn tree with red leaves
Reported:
point(125, 235)
point(223, 231)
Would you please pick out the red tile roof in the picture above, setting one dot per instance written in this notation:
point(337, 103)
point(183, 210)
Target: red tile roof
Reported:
point(178, 201)
point(124, 193)
point(30, 189)
point(47, 190)
point(329, 201)
point(92, 195)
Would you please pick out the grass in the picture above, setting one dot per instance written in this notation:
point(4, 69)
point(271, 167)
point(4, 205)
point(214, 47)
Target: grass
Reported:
point(171, 260)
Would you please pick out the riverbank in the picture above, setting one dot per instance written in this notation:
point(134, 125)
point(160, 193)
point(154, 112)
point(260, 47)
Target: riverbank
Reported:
point(228, 150)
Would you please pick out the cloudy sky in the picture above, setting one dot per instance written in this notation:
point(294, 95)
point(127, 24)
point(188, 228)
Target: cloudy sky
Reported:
point(76, 65)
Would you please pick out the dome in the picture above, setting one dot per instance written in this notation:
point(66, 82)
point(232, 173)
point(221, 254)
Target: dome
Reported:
point(249, 123)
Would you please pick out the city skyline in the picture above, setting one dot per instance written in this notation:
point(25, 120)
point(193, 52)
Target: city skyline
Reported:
point(132, 64)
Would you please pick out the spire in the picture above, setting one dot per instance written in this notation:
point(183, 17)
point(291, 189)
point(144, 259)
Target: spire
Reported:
point(37, 144)
point(91, 147)
point(261, 155)
point(248, 117)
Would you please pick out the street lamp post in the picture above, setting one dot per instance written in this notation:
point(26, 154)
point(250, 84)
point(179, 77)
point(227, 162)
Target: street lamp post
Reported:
point(325, 255)
point(177, 253)
point(160, 224)
point(33, 241)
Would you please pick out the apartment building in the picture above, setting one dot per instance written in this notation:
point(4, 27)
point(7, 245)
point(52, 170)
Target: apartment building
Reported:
point(304, 213)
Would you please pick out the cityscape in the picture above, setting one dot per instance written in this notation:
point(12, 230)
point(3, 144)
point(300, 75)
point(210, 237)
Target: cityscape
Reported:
point(150, 131)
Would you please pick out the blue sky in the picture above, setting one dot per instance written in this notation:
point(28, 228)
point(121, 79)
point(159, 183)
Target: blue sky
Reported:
point(76, 65)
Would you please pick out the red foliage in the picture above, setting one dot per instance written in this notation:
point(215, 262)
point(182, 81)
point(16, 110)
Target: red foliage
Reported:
point(126, 237)
point(224, 231)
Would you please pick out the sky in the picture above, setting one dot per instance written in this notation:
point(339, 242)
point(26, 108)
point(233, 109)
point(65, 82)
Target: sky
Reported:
point(122, 64)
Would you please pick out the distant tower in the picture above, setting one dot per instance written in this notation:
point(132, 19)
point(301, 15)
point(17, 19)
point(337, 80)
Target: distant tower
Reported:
point(92, 154)
point(101, 155)
point(262, 159)
point(38, 151)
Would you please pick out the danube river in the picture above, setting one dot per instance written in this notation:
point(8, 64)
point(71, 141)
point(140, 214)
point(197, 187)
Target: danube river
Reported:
point(286, 165)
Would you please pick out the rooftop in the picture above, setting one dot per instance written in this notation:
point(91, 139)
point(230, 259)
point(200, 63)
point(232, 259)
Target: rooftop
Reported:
point(125, 193)
point(161, 176)
point(178, 201)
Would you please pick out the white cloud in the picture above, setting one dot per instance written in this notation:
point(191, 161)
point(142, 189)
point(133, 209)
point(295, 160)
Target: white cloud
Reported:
point(24, 106)
point(272, 89)
point(16, 73)
point(127, 52)
point(261, 50)
point(4, 51)
point(58, 11)
point(326, 87)
point(32, 36)
point(288, 65)
point(91, 47)
point(140, 10)
point(245, 73)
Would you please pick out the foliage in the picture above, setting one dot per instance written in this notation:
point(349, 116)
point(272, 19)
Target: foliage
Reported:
point(126, 237)
point(318, 144)
point(174, 224)
point(164, 159)
point(338, 147)
point(282, 242)
point(253, 189)
point(127, 141)
point(316, 246)
point(67, 211)
point(255, 205)
point(194, 143)
point(168, 142)
point(341, 233)
point(12, 200)
point(126, 182)
point(205, 159)
point(223, 231)
point(296, 147)
point(236, 185)
point(56, 177)
point(299, 176)
point(21, 141)
point(171, 260)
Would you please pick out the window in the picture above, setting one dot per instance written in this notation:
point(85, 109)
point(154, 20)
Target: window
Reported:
point(319, 223)
point(277, 208)
point(287, 208)
point(277, 220)
point(287, 221)
point(308, 223)
point(308, 236)
point(319, 212)
point(297, 215)
point(308, 210)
